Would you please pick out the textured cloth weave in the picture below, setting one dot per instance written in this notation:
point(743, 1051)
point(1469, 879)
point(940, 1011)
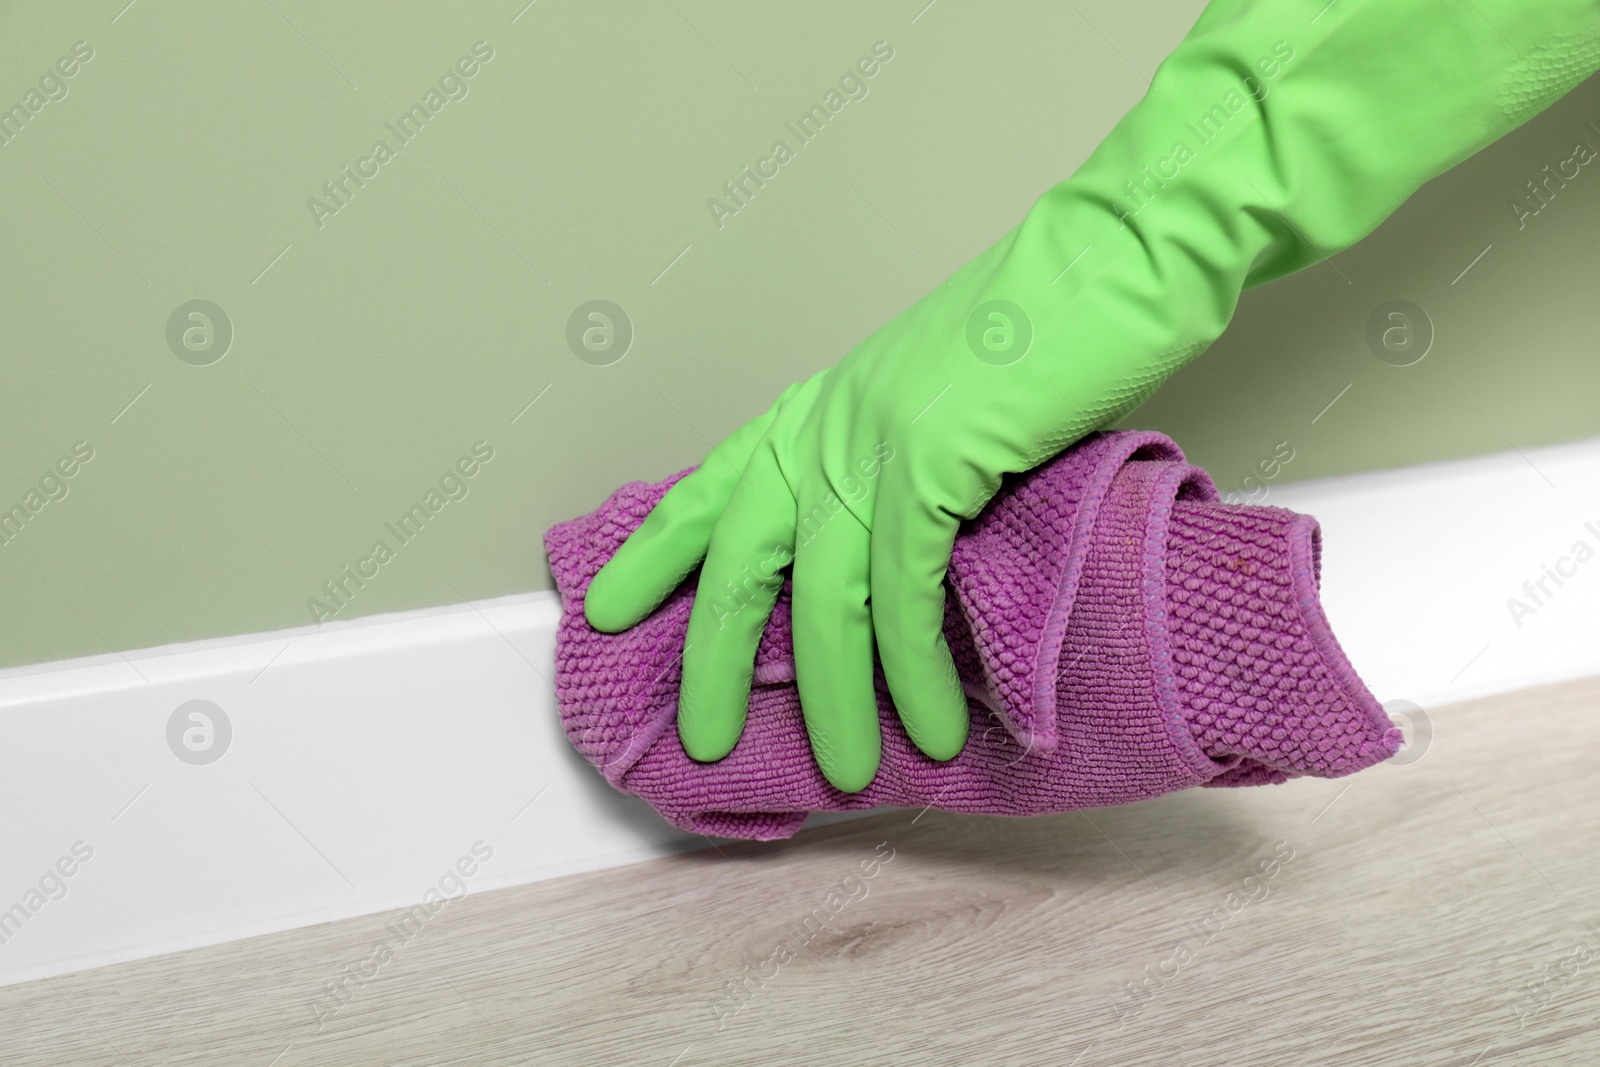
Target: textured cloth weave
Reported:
point(1119, 632)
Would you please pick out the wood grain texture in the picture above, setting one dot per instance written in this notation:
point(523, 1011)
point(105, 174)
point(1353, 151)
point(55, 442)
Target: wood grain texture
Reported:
point(1443, 912)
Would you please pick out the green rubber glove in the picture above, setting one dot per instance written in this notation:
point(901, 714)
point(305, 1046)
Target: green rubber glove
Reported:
point(1276, 133)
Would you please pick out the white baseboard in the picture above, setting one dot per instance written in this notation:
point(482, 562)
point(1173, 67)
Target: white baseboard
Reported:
point(367, 757)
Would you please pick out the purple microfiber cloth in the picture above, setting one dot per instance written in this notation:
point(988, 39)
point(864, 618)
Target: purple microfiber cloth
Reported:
point(1119, 632)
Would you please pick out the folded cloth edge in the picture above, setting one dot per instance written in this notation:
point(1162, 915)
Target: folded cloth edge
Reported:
point(1306, 549)
point(1119, 449)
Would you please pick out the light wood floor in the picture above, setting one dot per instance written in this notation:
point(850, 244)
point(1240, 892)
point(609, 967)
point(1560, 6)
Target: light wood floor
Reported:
point(1445, 912)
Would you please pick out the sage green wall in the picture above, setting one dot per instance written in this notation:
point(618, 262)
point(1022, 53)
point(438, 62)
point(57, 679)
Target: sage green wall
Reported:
point(372, 348)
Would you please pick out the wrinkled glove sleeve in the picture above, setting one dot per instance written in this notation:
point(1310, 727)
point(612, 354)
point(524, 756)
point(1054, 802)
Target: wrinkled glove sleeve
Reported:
point(1275, 135)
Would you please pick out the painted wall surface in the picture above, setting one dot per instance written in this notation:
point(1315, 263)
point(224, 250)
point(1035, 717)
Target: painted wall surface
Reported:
point(242, 341)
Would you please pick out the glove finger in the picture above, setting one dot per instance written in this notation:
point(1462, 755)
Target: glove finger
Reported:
point(752, 542)
point(672, 540)
point(911, 542)
point(833, 639)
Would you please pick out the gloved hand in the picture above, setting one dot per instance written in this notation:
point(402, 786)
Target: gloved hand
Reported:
point(1278, 132)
